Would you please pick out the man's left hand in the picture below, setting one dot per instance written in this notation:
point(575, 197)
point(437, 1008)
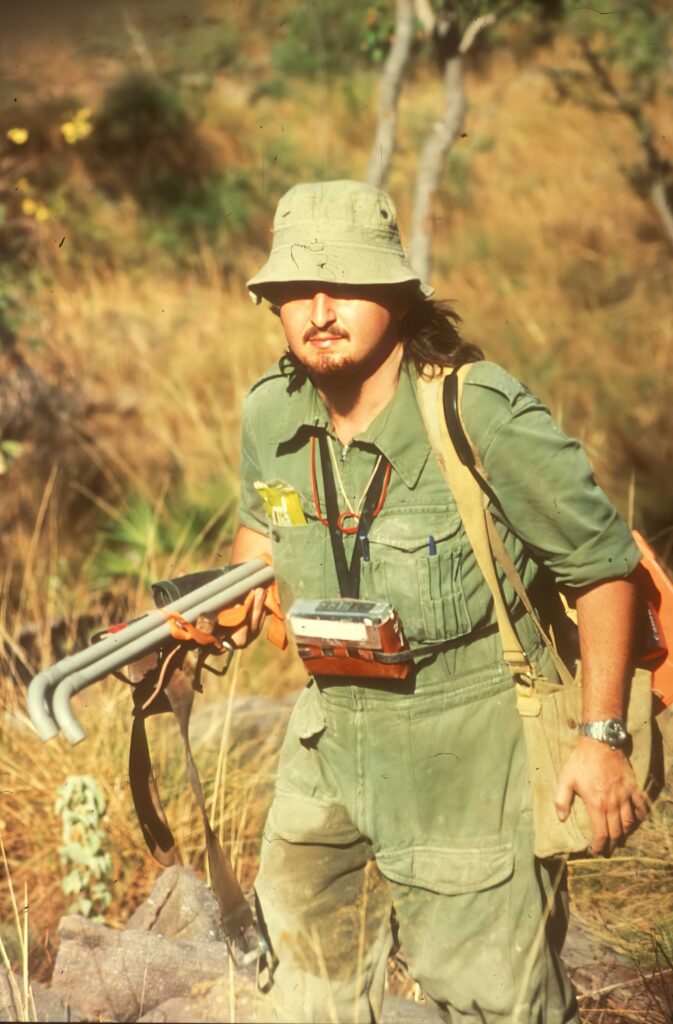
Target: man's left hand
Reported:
point(604, 779)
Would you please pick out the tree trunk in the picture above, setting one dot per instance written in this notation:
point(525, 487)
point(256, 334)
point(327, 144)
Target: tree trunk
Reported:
point(659, 199)
point(391, 84)
point(440, 140)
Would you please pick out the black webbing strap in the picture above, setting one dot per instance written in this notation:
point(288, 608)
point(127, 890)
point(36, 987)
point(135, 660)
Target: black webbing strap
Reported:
point(348, 575)
point(458, 436)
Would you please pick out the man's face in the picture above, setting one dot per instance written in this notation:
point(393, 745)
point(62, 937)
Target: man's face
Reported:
point(339, 330)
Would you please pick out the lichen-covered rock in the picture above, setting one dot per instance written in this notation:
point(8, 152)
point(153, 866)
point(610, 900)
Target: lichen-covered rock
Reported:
point(180, 906)
point(121, 975)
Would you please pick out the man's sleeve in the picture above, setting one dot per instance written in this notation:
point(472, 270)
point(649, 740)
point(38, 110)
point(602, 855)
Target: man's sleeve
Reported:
point(251, 512)
point(544, 483)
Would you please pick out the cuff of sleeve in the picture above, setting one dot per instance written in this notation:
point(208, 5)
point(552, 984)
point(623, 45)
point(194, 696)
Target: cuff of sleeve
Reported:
point(610, 554)
point(258, 523)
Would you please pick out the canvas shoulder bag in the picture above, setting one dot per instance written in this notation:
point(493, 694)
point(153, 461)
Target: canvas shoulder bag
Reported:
point(550, 710)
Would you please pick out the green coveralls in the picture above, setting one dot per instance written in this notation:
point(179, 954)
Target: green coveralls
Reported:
point(417, 792)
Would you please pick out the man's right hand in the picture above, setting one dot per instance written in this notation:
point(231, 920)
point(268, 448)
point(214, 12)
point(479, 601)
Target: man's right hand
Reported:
point(249, 544)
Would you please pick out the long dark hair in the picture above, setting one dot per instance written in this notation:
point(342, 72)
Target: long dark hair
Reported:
point(431, 336)
point(430, 333)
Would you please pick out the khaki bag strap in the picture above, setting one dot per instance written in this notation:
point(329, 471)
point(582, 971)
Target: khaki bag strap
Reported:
point(512, 573)
point(498, 545)
point(471, 502)
point(485, 539)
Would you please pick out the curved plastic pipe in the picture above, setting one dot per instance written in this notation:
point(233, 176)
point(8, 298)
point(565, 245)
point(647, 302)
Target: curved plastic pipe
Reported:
point(93, 663)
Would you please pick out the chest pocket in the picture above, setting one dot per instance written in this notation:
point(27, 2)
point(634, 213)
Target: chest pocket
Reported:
point(302, 563)
point(417, 558)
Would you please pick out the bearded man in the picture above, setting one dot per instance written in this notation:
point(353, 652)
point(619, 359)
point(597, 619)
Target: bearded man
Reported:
point(402, 809)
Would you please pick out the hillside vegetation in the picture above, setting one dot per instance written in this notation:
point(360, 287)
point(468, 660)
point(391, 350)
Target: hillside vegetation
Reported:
point(158, 142)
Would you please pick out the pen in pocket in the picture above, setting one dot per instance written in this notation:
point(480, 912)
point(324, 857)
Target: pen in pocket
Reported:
point(432, 545)
point(364, 544)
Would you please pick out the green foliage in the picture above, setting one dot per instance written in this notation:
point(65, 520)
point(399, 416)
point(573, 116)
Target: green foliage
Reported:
point(81, 806)
point(378, 32)
point(144, 132)
point(632, 38)
point(10, 451)
point(327, 38)
point(189, 212)
point(149, 534)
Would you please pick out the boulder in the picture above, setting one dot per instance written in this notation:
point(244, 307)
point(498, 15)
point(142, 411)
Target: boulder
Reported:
point(48, 1006)
point(180, 906)
point(121, 975)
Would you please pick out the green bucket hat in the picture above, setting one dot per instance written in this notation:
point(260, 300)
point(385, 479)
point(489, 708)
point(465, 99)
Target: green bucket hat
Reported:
point(339, 232)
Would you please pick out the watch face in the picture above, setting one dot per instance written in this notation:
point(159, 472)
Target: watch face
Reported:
point(615, 733)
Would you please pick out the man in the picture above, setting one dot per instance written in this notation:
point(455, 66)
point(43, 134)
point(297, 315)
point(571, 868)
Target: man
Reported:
point(414, 793)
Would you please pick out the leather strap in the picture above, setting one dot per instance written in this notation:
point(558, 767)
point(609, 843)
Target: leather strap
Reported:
point(176, 694)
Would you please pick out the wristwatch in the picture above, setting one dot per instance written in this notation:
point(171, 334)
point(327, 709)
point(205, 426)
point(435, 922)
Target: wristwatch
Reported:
point(609, 730)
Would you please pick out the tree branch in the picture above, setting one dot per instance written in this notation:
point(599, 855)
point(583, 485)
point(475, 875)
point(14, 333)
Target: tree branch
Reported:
point(391, 84)
point(442, 136)
point(658, 168)
point(446, 130)
point(426, 15)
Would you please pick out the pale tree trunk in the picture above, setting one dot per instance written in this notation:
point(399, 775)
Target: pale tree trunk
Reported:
point(444, 132)
point(659, 200)
point(391, 84)
point(440, 140)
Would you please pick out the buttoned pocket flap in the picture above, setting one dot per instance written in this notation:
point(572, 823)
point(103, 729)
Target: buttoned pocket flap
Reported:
point(450, 871)
point(415, 529)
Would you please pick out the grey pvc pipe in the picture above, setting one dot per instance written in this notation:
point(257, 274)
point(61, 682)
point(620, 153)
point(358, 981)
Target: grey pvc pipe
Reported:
point(74, 673)
point(45, 681)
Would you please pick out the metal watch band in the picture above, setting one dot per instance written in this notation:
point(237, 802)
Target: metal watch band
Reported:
point(608, 730)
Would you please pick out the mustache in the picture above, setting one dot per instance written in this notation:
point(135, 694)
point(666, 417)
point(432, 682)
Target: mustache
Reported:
point(332, 332)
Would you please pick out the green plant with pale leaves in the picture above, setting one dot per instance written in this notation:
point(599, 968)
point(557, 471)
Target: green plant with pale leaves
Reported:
point(81, 805)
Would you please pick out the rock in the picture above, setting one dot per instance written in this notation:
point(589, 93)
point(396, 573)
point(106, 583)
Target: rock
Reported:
point(180, 906)
point(234, 998)
point(121, 975)
point(10, 996)
point(589, 962)
point(251, 717)
point(48, 1006)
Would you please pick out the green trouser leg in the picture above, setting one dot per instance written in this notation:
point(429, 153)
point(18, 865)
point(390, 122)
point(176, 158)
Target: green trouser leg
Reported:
point(492, 956)
point(327, 910)
point(435, 786)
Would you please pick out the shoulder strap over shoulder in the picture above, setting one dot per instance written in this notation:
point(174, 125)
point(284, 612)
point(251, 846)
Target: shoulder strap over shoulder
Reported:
point(470, 499)
point(461, 464)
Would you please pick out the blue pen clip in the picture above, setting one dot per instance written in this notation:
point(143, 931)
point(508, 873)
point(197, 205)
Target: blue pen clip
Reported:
point(364, 544)
point(432, 545)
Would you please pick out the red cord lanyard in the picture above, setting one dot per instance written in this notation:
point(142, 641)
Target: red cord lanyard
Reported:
point(348, 574)
point(347, 513)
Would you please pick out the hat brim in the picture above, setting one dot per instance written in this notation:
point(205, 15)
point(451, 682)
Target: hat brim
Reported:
point(334, 263)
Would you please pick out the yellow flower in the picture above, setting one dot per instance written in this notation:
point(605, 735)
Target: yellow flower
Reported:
point(79, 127)
point(33, 208)
point(69, 132)
point(18, 136)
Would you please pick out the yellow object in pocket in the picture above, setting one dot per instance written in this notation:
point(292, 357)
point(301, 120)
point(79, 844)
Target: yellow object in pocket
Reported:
point(282, 504)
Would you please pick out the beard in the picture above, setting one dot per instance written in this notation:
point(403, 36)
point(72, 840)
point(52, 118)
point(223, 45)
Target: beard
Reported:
point(323, 364)
point(330, 366)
